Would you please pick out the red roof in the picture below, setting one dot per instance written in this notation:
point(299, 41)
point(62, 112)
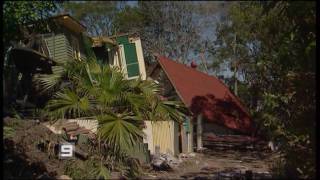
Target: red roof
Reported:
point(207, 95)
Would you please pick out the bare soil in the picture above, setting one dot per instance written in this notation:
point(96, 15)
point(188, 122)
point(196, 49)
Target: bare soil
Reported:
point(213, 164)
point(23, 157)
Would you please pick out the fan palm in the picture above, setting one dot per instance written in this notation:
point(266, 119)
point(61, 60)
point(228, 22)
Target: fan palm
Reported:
point(89, 89)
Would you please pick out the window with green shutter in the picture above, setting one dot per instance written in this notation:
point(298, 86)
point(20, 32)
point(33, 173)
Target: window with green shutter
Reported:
point(130, 56)
point(131, 60)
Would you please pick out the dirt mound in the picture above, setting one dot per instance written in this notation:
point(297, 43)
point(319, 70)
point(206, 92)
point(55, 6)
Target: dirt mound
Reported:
point(24, 158)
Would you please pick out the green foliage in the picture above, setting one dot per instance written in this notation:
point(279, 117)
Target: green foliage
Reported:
point(49, 82)
point(8, 132)
point(275, 54)
point(130, 19)
point(120, 131)
point(9, 127)
point(16, 13)
point(89, 169)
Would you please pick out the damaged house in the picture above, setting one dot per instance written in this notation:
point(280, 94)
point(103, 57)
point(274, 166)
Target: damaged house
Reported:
point(65, 40)
point(215, 114)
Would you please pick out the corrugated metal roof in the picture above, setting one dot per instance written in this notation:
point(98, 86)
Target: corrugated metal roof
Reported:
point(207, 95)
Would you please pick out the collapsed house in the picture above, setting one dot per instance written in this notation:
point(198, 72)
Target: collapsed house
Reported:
point(65, 40)
point(214, 112)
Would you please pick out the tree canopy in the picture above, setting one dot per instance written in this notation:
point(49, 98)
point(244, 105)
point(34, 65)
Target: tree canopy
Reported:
point(16, 13)
point(272, 44)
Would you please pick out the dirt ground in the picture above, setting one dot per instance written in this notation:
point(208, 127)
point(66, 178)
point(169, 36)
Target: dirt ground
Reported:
point(24, 159)
point(208, 165)
point(218, 164)
point(22, 155)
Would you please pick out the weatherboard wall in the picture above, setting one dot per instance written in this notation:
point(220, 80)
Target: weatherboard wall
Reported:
point(59, 48)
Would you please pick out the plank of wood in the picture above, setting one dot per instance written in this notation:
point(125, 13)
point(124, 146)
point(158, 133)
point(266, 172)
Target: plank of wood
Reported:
point(70, 128)
point(83, 131)
point(69, 124)
point(79, 131)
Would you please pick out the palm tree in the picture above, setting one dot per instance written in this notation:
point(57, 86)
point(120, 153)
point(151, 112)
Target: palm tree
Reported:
point(89, 89)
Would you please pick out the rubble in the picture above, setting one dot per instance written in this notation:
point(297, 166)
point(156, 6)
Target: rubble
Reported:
point(186, 155)
point(160, 165)
point(165, 162)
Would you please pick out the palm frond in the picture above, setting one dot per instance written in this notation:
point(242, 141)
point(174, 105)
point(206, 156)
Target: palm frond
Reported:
point(47, 82)
point(68, 103)
point(120, 131)
point(99, 171)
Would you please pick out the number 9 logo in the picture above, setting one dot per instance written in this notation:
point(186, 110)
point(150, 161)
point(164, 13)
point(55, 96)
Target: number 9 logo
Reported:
point(66, 151)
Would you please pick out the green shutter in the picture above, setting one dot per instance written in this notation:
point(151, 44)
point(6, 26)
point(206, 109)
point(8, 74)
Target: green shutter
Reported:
point(133, 70)
point(123, 40)
point(130, 55)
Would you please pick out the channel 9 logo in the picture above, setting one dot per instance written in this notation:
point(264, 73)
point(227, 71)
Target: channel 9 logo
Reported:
point(66, 151)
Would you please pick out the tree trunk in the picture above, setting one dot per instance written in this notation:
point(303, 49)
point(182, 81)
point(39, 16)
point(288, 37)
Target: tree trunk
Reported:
point(235, 67)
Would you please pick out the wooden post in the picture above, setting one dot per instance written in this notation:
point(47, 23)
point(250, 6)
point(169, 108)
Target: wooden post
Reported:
point(184, 142)
point(199, 132)
point(190, 135)
point(176, 138)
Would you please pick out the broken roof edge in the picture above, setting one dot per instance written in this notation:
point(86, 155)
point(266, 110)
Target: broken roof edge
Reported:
point(66, 14)
point(98, 40)
point(238, 100)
